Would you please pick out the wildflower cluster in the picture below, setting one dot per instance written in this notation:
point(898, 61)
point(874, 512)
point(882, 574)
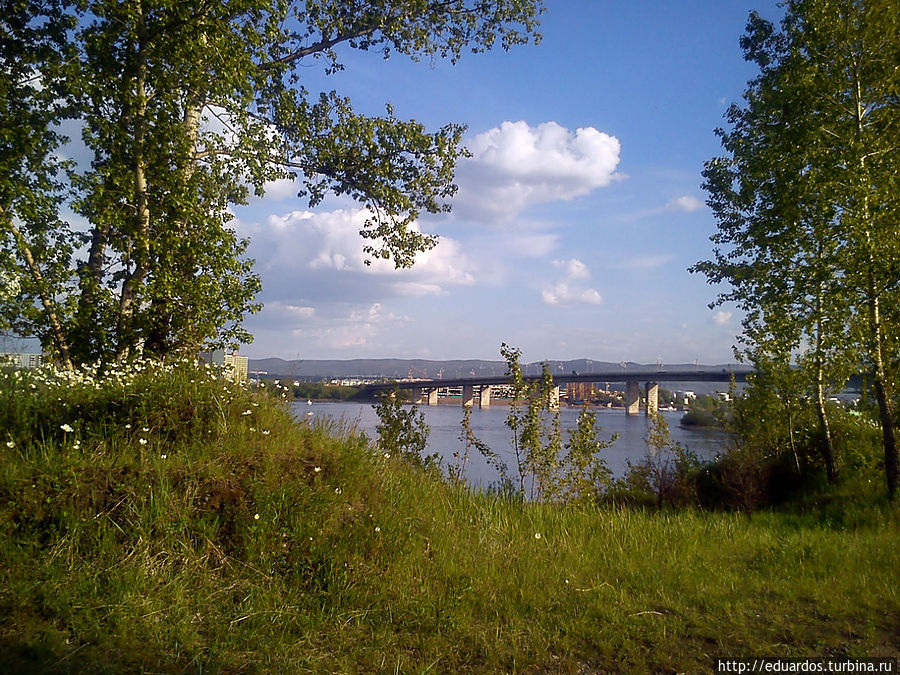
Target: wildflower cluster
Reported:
point(101, 376)
point(134, 399)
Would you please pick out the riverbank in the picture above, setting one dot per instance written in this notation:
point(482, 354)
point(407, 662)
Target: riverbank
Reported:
point(180, 526)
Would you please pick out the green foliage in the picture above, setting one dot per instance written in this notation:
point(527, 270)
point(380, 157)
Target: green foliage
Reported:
point(805, 202)
point(706, 411)
point(580, 474)
point(586, 476)
point(699, 418)
point(666, 477)
point(322, 391)
point(178, 401)
point(189, 552)
point(537, 439)
point(184, 110)
point(774, 456)
point(403, 432)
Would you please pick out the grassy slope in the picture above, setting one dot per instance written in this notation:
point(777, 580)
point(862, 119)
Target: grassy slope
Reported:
point(115, 559)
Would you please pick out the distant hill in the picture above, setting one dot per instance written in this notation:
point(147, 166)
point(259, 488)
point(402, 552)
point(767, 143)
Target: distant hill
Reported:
point(316, 369)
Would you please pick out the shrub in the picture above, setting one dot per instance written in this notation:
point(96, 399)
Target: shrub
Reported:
point(403, 432)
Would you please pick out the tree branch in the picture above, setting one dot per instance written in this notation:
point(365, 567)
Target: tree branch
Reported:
point(318, 47)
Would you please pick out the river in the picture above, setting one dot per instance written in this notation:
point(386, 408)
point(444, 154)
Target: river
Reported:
point(488, 425)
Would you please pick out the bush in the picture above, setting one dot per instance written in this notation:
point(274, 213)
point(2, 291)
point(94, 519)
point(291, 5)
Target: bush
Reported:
point(699, 418)
point(404, 432)
point(666, 477)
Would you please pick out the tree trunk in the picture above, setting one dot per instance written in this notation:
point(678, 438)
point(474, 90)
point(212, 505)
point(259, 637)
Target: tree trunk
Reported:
point(90, 285)
point(127, 337)
point(57, 332)
point(884, 409)
point(790, 416)
point(873, 302)
point(159, 336)
point(826, 444)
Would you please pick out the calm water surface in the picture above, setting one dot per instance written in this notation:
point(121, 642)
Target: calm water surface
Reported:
point(488, 425)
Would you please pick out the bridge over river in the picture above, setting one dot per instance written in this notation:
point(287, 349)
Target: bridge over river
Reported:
point(479, 388)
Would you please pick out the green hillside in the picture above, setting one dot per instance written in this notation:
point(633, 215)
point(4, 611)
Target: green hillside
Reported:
point(170, 522)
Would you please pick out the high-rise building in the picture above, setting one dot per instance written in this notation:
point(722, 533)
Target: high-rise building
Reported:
point(238, 365)
point(18, 360)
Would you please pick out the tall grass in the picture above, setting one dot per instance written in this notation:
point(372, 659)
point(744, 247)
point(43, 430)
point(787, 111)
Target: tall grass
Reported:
point(231, 541)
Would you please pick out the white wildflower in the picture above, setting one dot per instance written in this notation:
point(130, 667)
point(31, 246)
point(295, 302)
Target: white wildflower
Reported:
point(255, 516)
point(67, 428)
point(10, 444)
point(537, 535)
point(142, 441)
point(317, 469)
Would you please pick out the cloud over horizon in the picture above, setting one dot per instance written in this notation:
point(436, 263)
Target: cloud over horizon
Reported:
point(317, 288)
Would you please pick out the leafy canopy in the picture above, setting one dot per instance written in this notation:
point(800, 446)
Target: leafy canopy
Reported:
point(184, 109)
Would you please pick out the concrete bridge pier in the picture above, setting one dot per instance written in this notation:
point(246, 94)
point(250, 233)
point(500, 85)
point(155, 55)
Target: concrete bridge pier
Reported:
point(632, 397)
point(433, 396)
point(652, 398)
point(468, 395)
point(485, 396)
point(417, 395)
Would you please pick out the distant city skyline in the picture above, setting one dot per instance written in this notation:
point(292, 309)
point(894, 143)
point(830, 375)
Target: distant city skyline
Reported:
point(577, 216)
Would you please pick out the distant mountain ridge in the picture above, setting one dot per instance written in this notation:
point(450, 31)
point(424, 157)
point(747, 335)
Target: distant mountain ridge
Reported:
point(436, 369)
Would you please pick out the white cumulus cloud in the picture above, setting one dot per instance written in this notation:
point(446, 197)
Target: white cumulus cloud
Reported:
point(515, 166)
point(721, 318)
point(685, 203)
point(313, 269)
point(570, 288)
point(321, 244)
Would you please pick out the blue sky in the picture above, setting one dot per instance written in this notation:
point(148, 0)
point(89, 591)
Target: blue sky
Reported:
point(577, 216)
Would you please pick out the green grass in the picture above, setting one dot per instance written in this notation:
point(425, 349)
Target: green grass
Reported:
point(115, 559)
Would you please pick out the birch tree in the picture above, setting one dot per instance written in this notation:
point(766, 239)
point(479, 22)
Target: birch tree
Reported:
point(806, 199)
point(186, 108)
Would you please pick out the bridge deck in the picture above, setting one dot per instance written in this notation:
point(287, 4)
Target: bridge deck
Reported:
point(616, 376)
